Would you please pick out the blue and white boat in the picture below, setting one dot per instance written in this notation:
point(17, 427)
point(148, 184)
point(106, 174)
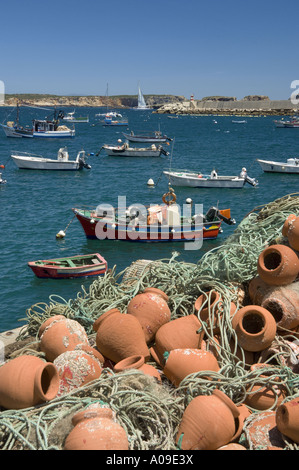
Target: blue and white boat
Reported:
point(41, 128)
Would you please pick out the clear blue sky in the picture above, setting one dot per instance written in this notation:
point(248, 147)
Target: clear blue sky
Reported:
point(180, 47)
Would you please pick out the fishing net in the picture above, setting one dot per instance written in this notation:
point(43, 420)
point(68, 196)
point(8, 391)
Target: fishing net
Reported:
point(149, 411)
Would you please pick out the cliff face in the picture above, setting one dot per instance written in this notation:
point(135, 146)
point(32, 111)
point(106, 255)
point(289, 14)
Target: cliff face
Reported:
point(153, 101)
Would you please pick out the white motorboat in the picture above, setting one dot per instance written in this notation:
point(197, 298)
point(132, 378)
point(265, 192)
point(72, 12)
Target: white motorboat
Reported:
point(149, 137)
point(199, 180)
point(290, 166)
point(125, 151)
point(26, 160)
point(293, 122)
point(70, 117)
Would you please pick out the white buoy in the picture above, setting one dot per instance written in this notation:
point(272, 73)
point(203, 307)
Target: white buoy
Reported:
point(150, 182)
point(60, 234)
point(189, 200)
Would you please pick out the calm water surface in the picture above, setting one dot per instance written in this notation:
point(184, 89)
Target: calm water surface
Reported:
point(35, 205)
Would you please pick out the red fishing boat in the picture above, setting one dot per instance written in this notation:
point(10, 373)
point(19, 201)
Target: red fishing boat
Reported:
point(157, 223)
point(69, 267)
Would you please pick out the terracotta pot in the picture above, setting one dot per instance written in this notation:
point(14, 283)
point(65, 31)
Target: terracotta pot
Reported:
point(232, 446)
point(120, 335)
point(287, 419)
point(283, 303)
point(180, 333)
point(261, 396)
point(288, 222)
point(257, 289)
point(48, 322)
point(76, 368)
point(61, 336)
point(262, 433)
point(137, 362)
point(208, 422)
point(27, 381)
point(210, 309)
point(255, 328)
point(278, 265)
point(96, 429)
point(282, 352)
point(293, 233)
point(151, 310)
point(182, 362)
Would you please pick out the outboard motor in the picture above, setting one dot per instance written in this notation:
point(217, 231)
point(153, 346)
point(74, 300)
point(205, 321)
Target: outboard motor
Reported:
point(213, 212)
point(164, 152)
point(251, 181)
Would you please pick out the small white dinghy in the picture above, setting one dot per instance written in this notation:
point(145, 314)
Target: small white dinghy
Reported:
point(199, 180)
point(26, 160)
point(290, 166)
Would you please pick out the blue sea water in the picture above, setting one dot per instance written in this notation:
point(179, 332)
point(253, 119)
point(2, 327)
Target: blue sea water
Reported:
point(36, 205)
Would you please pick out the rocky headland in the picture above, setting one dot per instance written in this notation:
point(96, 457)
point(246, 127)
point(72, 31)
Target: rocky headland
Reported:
point(166, 104)
point(123, 101)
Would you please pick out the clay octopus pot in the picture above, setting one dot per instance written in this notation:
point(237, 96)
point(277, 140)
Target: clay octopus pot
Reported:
point(27, 381)
point(255, 328)
point(257, 289)
point(293, 232)
point(287, 419)
point(60, 336)
point(77, 368)
point(120, 335)
point(96, 429)
point(283, 303)
point(262, 432)
point(48, 322)
point(262, 396)
point(151, 310)
point(137, 362)
point(278, 265)
point(282, 352)
point(210, 308)
point(232, 446)
point(288, 222)
point(209, 422)
point(182, 362)
point(181, 333)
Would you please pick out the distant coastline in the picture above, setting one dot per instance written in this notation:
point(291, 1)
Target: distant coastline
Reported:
point(165, 104)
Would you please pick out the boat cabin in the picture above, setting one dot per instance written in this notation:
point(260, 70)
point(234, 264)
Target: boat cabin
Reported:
point(44, 126)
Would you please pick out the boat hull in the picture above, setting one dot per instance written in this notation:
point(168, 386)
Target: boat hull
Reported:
point(278, 167)
point(27, 163)
point(150, 140)
point(54, 134)
point(195, 181)
point(114, 152)
point(60, 272)
point(18, 133)
point(146, 233)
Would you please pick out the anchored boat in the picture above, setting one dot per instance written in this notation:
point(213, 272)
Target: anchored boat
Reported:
point(149, 137)
point(125, 151)
point(290, 166)
point(27, 160)
point(41, 128)
point(70, 267)
point(156, 223)
point(199, 180)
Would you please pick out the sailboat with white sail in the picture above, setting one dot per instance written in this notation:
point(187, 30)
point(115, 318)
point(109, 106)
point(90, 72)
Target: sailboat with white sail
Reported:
point(141, 102)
